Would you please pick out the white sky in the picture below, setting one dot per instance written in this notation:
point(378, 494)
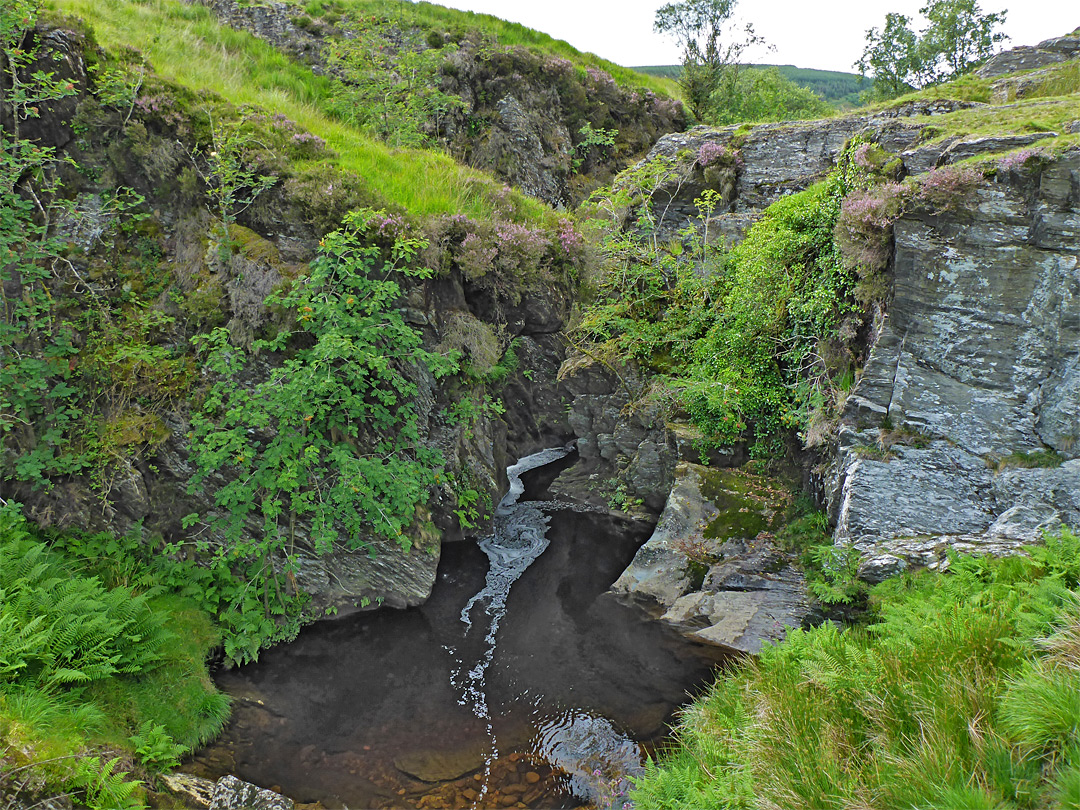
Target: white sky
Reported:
point(823, 34)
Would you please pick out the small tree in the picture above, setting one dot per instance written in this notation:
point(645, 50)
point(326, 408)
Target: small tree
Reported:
point(892, 56)
point(711, 46)
point(958, 37)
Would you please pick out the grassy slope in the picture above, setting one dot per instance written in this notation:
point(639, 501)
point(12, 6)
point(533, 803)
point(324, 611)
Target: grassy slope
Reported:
point(185, 44)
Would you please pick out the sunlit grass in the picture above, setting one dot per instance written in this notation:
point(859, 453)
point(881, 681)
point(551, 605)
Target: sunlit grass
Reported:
point(185, 44)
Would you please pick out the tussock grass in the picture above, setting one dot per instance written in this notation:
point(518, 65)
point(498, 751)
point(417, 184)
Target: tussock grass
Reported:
point(946, 699)
point(185, 44)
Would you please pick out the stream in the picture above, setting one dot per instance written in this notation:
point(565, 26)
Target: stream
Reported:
point(520, 683)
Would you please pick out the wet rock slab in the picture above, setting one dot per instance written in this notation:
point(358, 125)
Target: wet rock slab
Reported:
point(710, 569)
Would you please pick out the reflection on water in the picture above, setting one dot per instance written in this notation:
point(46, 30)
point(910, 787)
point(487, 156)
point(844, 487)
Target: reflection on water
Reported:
point(414, 709)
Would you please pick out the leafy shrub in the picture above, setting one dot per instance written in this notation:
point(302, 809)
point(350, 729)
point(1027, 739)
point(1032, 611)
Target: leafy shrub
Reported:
point(291, 445)
point(760, 95)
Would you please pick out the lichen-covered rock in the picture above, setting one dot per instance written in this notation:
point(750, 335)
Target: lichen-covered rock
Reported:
point(973, 379)
point(710, 569)
point(195, 792)
point(231, 793)
point(1026, 57)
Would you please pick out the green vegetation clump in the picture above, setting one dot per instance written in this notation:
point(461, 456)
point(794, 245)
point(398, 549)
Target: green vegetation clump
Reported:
point(103, 681)
point(1036, 458)
point(961, 690)
point(764, 94)
point(751, 342)
point(957, 37)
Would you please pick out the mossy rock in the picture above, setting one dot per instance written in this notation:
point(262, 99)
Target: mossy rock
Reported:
point(748, 503)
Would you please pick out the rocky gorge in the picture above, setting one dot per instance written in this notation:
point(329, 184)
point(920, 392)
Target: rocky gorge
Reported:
point(958, 432)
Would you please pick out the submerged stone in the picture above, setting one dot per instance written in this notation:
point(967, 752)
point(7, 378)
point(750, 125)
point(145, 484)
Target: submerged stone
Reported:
point(442, 764)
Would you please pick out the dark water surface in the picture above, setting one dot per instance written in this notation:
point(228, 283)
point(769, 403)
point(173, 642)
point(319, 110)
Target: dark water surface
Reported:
point(417, 708)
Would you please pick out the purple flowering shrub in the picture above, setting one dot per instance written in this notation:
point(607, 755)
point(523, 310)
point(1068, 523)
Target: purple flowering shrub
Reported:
point(307, 145)
point(712, 153)
point(864, 234)
point(946, 188)
point(1020, 160)
point(503, 255)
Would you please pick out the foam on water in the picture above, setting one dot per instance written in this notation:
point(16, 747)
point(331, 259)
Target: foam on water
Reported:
point(519, 536)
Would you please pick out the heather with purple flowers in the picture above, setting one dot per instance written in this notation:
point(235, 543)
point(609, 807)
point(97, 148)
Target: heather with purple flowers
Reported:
point(475, 257)
point(570, 240)
point(864, 231)
point(391, 225)
point(307, 144)
point(520, 247)
point(1016, 161)
point(946, 188)
point(712, 152)
point(599, 77)
point(861, 156)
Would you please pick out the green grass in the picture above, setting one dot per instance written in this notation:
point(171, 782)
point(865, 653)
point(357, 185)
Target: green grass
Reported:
point(963, 691)
point(186, 45)
point(64, 717)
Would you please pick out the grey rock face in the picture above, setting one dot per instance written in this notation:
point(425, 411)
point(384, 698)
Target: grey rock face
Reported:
point(709, 570)
point(1048, 52)
point(778, 159)
point(978, 363)
point(633, 445)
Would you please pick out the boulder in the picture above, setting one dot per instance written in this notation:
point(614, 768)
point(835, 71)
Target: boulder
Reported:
point(710, 569)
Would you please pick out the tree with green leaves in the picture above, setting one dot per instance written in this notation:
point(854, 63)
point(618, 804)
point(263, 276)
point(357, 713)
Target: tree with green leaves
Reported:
point(893, 58)
point(960, 36)
point(764, 94)
point(712, 46)
point(957, 38)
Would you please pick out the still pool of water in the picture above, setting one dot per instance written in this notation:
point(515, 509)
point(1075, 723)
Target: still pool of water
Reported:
point(418, 709)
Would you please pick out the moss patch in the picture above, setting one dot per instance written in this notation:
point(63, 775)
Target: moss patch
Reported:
point(748, 503)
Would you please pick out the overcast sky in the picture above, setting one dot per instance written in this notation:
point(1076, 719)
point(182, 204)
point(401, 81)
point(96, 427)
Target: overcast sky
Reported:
point(823, 34)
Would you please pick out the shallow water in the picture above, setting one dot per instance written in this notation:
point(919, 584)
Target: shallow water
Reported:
point(417, 708)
